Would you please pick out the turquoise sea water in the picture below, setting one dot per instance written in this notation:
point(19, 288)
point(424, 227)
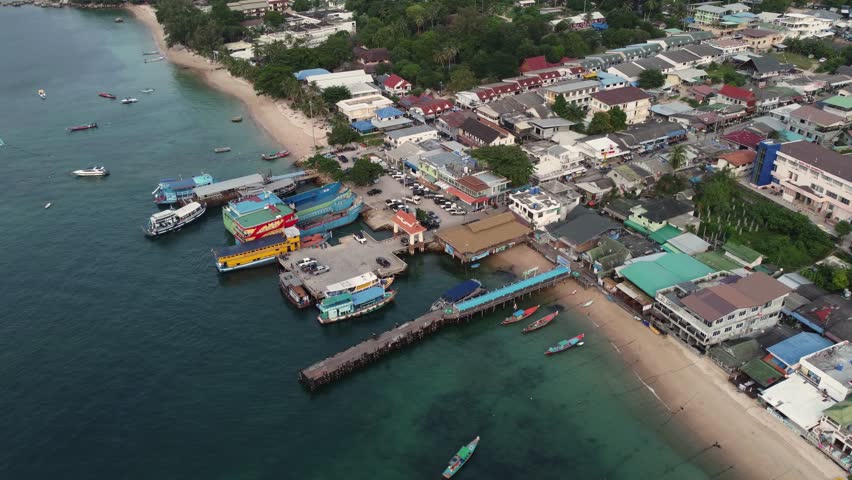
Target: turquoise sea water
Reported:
point(126, 358)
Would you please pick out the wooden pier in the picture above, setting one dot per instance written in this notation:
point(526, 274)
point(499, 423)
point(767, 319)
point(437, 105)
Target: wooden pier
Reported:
point(372, 349)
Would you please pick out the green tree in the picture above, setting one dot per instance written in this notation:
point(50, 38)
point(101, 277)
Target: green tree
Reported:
point(668, 185)
point(574, 112)
point(364, 172)
point(273, 19)
point(600, 123)
point(332, 95)
point(677, 156)
point(508, 161)
point(842, 228)
point(461, 78)
point(301, 5)
point(618, 119)
point(560, 106)
point(651, 79)
point(326, 166)
point(276, 81)
point(341, 134)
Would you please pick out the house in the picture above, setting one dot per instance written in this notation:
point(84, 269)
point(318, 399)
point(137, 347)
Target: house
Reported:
point(535, 207)
point(578, 92)
point(652, 215)
point(250, 8)
point(430, 109)
point(816, 125)
point(389, 118)
point(650, 136)
point(602, 148)
point(702, 93)
point(687, 76)
point(720, 306)
point(738, 162)
point(731, 356)
point(362, 108)
point(629, 71)
point(609, 81)
point(553, 161)
point(797, 402)
point(632, 101)
point(742, 139)
point(840, 106)
point(834, 431)
point(411, 134)
point(658, 271)
point(763, 68)
point(581, 231)
point(728, 46)
point(679, 59)
point(786, 355)
point(637, 51)
point(546, 127)
point(450, 122)
point(759, 40)
point(742, 254)
point(370, 58)
point(481, 133)
point(830, 369)
point(732, 95)
point(678, 41)
point(770, 98)
point(396, 85)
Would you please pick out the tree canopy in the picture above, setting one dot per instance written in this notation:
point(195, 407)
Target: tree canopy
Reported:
point(332, 95)
point(364, 172)
point(601, 123)
point(508, 161)
point(326, 166)
point(341, 134)
point(651, 79)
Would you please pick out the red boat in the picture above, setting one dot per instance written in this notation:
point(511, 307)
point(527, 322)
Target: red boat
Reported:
point(106, 95)
point(540, 323)
point(273, 156)
point(83, 127)
point(520, 315)
point(314, 240)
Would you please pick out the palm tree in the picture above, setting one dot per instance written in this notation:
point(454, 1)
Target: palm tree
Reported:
point(574, 112)
point(677, 156)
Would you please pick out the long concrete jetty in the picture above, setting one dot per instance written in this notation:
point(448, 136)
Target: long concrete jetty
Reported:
point(372, 349)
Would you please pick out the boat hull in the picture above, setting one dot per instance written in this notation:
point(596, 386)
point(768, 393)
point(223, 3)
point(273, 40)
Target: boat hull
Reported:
point(388, 297)
point(461, 458)
point(151, 233)
point(253, 254)
point(518, 318)
point(539, 324)
point(334, 221)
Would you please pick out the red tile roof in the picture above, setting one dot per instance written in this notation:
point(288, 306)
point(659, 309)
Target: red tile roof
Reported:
point(549, 75)
point(528, 81)
point(703, 90)
point(739, 158)
point(408, 222)
point(540, 63)
point(737, 93)
point(619, 96)
point(432, 107)
point(744, 138)
point(473, 183)
point(395, 81)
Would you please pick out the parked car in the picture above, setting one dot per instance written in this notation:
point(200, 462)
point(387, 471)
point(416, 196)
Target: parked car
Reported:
point(404, 241)
point(374, 191)
point(391, 201)
point(360, 237)
point(342, 159)
point(306, 261)
point(320, 270)
point(383, 262)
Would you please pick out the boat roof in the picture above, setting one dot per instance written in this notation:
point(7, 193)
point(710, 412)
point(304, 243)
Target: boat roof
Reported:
point(204, 191)
point(163, 214)
point(300, 198)
point(247, 247)
point(338, 299)
point(365, 296)
point(251, 203)
point(262, 216)
point(461, 290)
point(187, 209)
point(290, 279)
point(322, 199)
point(352, 282)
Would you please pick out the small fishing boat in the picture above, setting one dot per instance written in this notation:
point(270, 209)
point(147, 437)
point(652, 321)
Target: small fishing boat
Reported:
point(460, 458)
point(106, 95)
point(79, 128)
point(565, 345)
point(42, 94)
point(237, 119)
point(540, 323)
point(147, 90)
point(92, 172)
point(221, 149)
point(128, 100)
point(587, 304)
point(273, 156)
point(520, 315)
point(154, 52)
point(157, 59)
point(47, 205)
point(573, 292)
point(475, 265)
point(119, 20)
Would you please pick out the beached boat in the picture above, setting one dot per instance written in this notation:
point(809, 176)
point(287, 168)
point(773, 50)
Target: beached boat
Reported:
point(237, 119)
point(540, 323)
point(173, 190)
point(350, 305)
point(256, 253)
point(79, 128)
point(330, 222)
point(128, 100)
point(42, 94)
point(565, 345)
point(654, 329)
point(588, 304)
point(463, 291)
point(221, 149)
point(91, 172)
point(107, 95)
point(257, 216)
point(460, 458)
point(520, 315)
point(273, 156)
point(147, 90)
point(170, 220)
point(294, 290)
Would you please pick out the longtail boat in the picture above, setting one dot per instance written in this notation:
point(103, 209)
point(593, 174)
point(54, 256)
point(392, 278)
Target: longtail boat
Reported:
point(106, 95)
point(540, 323)
point(565, 345)
point(79, 128)
point(273, 156)
point(520, 315)
point(460, 458)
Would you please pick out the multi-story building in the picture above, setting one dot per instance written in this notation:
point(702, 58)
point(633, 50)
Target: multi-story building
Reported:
point(362, 108)
point(411, 134)
point(816, 125)
point(840, 106)
point(311, 28)
point(802, 25)
point(679, 59)
point(535, 207)
point(631, 100)
point(729, 46)
point(821, 369)
point(574, 91)
point(256, 8)
point(720, 306)
point(554, 161)
point(731, 95)
point(760, 40)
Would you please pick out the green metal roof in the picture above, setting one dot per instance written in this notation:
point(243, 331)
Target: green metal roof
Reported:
point(716, 261)
point(838, 101)
point(635, 226)
point(665, 234)
point(733, 356)
point(741, 251)
point(840, 412)
point(670, 269)
point(761, 372)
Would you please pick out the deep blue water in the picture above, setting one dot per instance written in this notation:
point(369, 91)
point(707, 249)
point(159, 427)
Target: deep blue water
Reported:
point(124, 358)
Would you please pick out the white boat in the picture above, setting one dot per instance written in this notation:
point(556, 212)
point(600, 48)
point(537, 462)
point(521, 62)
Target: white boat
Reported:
point(589, 303)
point(42, 94)
point(170, 220)
point(91, 172)
point(47, 205)
point(127, 100)
point(147, 90)
point(221, 149)
point(157, 59)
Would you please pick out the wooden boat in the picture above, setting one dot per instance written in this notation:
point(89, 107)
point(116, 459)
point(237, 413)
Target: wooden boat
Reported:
point(273, 156)
point(79, 128)
point(520, 315)
point(119, 20)
point(588, 304)
point(460, 458)
point(221, 149)
point(106, 95)
point(237, 119)
point(314, 240)
point(540, 323)
point(565, 345)
point(151, 53)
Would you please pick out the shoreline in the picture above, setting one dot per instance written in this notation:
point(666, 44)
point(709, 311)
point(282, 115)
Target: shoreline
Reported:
point(288, 127)
point(754, 444)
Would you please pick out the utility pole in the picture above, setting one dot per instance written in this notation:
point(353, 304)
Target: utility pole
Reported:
point(313, 135)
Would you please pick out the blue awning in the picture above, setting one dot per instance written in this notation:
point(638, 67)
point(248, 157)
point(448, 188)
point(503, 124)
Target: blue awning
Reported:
point(411, 165)
point(676, 133)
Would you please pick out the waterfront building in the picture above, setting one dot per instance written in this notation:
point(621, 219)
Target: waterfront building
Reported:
point(476, 240)
point(797, 403)
point(581, 231)
point(535, 206)
point(785, 355)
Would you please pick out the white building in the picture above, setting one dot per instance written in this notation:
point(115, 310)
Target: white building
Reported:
point(574, 91)
point(362, 108)
point(802, 25)
point(554, 161)
point(411, 134)
point(535, 207)
point(830, 370)
point(312, 29)
point(358, 82)
point(600, 149)
point(720, 306)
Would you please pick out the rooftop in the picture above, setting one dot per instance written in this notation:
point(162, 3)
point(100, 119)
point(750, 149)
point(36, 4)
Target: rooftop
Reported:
point(841, 413)
point(722, 299)
point(817, 156)
point(405, 132)
point(483, 234)
point(663, 272)
point(535, 199)
point(689, 243)
point(662, 209)
point(834, 361)
point(793, 349)
point(761, 372)
point(571, 85)
point(679, 56)
point(581, 226)
point(739, 158)
point(619, 96)
point(817, 116)
point(798, 400)
point(744, 138)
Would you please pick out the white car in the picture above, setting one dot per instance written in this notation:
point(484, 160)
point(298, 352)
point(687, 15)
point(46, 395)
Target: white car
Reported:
point(359, 237)
point(306, 261)
point(321, 269)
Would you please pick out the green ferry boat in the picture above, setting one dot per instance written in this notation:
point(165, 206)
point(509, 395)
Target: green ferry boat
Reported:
point(348, 305)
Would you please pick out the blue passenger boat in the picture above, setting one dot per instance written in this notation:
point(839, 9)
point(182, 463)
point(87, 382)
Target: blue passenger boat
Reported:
point(171, 190)
point(463, 291)
point(330, 222)
point(348, 305)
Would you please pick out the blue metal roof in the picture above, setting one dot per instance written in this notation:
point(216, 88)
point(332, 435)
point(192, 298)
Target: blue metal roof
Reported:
point(511, 289)
point(388, 112)
point(302, 74)
point(363, 126)
point(792, 350)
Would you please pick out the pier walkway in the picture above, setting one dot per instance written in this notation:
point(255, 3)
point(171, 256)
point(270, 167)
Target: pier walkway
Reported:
point(368, 351)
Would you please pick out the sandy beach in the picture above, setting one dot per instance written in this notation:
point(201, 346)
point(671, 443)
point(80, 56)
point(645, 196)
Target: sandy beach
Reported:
point(755, 443)
point(290, 128)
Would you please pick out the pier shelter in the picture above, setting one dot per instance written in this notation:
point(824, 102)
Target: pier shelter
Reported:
point(407, 223)
point(473, 241)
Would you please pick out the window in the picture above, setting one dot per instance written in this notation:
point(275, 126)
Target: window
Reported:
point(729, 329)
point(844, 200)
point(740, 325)
point(831, 194)
point(716, 333)
point(754, 309)
point(731, 316)
point(742, 313)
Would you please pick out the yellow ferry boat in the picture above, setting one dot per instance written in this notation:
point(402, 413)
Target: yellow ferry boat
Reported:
point(258, 252)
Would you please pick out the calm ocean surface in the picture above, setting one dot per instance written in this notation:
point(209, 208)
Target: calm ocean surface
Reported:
point(124, 358)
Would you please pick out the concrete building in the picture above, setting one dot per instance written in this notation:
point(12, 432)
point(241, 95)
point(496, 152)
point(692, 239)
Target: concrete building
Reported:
point(840, 106)
point(574, 91)
point(680, 58)
point(728, 46)
point(362, 108)
point(255, 8)
point(830, 370)
point(759, 40)
point(553, 161)
point(481, 133)
point(802, 25)
point(816, 125)
point(631, 100)
point(738, 162)
point(536, 207)
point(396, 85)
point(354, 80)
point(477, 240)
point(720, 306)
point(311, 28)
point(411, 134)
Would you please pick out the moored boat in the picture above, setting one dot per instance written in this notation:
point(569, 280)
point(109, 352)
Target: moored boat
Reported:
point(147, 90)
point(461, 292)
point(273, 156)
point(350, 305)
point(79, 128)
point(540, 323)
point(173, 190)
point(256, 253)
point(106, 95)
point(237, 119)
point(151, 53)
point(520, 315)
point(294, 290)
point(565, 345)
point(315, 240)
point(47, 205)
point(588, 304)
point(156, 59)
point(257, 216)
point(119, 20)
point(352, 285)
point(460, 458)
point(330, 222)
point(91, 172)
point(170, 220)
point(42, 94)
point(221, 149)
point(128, 100)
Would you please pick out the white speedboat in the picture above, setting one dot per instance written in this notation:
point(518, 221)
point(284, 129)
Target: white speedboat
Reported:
point(148, 90)
point(128, 100)
point(171, 220)
point(42, 94)
point(91, 172)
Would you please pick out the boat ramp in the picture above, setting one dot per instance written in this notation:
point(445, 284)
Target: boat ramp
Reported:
point(371, 350)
